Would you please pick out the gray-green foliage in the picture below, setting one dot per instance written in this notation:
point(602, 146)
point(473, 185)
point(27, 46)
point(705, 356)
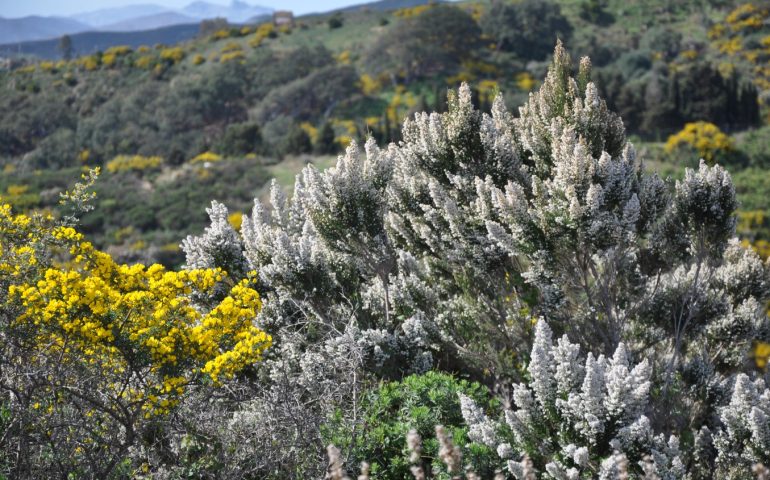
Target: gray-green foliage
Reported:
point(437, 253)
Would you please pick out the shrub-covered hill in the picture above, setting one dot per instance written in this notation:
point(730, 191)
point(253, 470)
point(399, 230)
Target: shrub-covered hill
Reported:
point(259, 90)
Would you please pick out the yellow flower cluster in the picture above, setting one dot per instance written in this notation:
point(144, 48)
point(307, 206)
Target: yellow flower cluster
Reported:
point(761, 354)
point(206, 157)
point(706, 138)
point(174, 55)
point(118, 50)
point(411, 12)
point(231, 56)
point(262, 32)
point(127, 163)
point(746, 16)
point(140, 327)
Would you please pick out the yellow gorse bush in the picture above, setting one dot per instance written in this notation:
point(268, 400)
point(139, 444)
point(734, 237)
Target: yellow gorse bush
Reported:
point(127, 163)
point(704, 137)
point(761, 354)
point(174, 54)
point(206, 157)
point(147, 333)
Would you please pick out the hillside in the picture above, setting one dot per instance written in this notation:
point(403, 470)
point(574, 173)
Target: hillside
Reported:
point(248, 96)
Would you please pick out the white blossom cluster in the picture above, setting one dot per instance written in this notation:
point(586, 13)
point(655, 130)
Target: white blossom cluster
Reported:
point(219, 246)
point(744, 439)
point(573, 414)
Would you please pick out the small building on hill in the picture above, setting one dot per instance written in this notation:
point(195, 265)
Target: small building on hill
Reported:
point(283, 17)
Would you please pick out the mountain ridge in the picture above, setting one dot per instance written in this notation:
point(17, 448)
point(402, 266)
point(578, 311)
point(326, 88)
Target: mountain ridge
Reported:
point(130, 18)
point(32, 27)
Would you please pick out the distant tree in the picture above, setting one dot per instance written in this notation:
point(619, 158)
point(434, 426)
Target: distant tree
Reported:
point(325, 144)
point(65, 47)
point(335, 21)
point(297, 141)
point(240, 138)
point(594, 11)
point(436, 41)
point(527, 29)
point(207, 27)
point(303, 100)
point(661, 41)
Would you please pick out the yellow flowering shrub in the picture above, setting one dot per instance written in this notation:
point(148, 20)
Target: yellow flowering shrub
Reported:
point(344, 57)
point(206, 157)
point(14, 190)
point(704, 137)
point(761, 354)
point(139, 327)
point(174, 55)
point(89, 63)
point(231, 56)
point(525, 81)
point(231, 47)
point(411, 12)
point(368, 84)
point(262, 32)
point(235, 219)
point(127, 163)
point(108, 59)
point(144, 62)
point(97, 352)
point(343, 141)
point(118, 50)
point(746, 16)
point(198, 59)
point(220, 34)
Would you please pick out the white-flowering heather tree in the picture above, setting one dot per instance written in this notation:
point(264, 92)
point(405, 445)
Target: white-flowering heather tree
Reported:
point(439, 252)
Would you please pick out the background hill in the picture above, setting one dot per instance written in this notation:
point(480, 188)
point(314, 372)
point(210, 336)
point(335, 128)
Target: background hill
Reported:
point(230, 106)
point(35, 27)
point(89, 42)
point(130, 18)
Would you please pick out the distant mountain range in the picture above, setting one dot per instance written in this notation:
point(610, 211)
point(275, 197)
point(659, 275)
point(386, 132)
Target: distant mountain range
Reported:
point(34, 27)
point(89, 42)
point(124, 19)
point(135, 25)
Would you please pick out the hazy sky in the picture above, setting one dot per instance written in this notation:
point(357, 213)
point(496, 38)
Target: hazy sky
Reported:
point(21, 8)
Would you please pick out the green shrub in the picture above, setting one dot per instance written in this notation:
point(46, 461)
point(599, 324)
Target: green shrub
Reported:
point(418, 402)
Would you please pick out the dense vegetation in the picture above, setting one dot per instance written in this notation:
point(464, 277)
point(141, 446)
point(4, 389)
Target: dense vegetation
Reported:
point(492, 294)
